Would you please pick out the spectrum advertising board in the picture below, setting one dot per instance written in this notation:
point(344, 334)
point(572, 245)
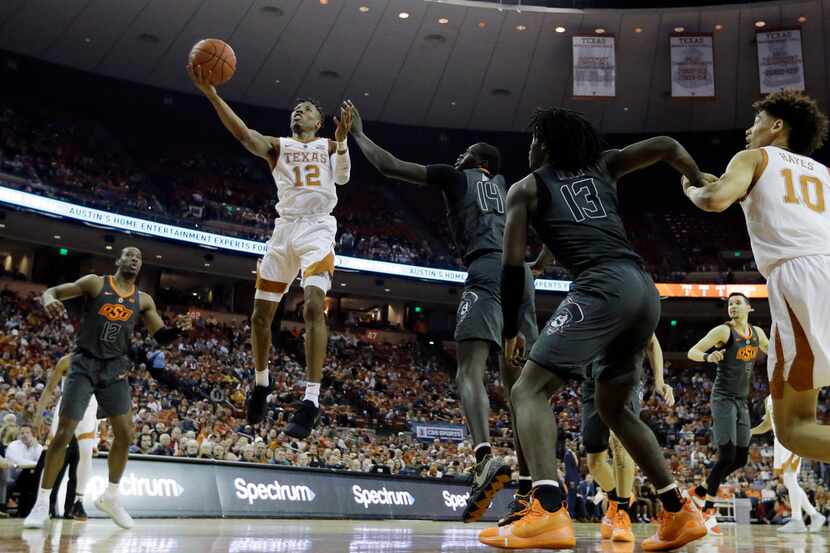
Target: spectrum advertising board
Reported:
point(166, 488)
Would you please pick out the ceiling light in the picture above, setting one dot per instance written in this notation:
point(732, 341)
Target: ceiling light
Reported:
point(158, 256)
point(277, 81)
point(443, 21)
point(195, 294)
point(364, 9)
point(560, 29)
point(680, 29)
point(760, 24)
point(207, 264)
point(403, 15)
point(387, 290)
point(625, 108)
point(57, 237)
point(2, 225)
point(521, 28)
point(599, 30)
point(718, 27)
point(638, 29)
point(324, 2)
point(108, 247)
point(343, 284)
point(253, 272)
point(482, 24)
point(87, 40)
point(802, 19)
point(452, 103)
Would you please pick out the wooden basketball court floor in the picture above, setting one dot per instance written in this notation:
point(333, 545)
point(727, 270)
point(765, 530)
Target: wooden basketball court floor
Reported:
point(344, 536)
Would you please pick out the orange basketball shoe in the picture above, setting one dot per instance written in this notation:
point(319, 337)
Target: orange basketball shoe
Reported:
point(677, 529)
point(537, 529)
point(606, 527)
point(622, 528)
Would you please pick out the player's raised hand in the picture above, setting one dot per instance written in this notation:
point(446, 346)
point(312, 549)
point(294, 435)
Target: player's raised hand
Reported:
point(356, 119)
point(714, 357)
point(184, 323)
point(55, 308)
point(200, 78)
point(344, 124)
point(666, 393)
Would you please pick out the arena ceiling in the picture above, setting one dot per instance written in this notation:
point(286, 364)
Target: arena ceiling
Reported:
point(454, 64)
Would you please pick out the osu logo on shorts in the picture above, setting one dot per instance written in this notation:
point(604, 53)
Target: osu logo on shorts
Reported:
point(569, 312)
point(115, 312)
point(468, 298)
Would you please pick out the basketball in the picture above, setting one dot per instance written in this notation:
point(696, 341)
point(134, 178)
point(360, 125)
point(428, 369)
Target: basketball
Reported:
point(216, 58)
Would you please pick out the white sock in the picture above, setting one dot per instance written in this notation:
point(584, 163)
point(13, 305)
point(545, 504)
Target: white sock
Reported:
point(112, 490)
point(312, 393)
point(43, 495)
point(262, 378)
point(85, 448)
point(794, 491)
point(671, 486)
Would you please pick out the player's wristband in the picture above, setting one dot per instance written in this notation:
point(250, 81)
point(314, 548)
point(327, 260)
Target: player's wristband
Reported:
point(342, 147)
point(512, 290)
point(706, 358)
point(167, 335)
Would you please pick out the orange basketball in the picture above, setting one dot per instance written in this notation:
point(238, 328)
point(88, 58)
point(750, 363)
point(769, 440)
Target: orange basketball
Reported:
point(216, 58)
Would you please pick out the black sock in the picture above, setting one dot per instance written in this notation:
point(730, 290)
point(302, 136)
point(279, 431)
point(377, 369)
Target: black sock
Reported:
point(672, 500)
point(525, 484)
point(700, 491)
point(623, 506)
point(708, 505)
point(549, 496)
point(612, 495)
point(483, 452)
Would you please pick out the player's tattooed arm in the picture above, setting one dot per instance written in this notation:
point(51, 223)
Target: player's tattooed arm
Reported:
point(386, 163)
point(648, 152)
point(52, 299)
point(717, 194)
point(716, 338)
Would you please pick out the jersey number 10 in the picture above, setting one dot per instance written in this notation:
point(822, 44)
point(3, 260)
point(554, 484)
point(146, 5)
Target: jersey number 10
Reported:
point(306, 176)
point(805, 182)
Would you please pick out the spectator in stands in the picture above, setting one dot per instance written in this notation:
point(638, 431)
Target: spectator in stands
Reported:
point(22, 456)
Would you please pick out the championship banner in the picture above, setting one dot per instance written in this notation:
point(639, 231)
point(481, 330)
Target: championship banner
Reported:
point(711, 291)
point(428, 431)
point(595, 67)
point(692, 66)
point(780, 60)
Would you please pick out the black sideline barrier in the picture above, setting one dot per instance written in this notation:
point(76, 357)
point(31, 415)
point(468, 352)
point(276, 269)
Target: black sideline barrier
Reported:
point(158, 487)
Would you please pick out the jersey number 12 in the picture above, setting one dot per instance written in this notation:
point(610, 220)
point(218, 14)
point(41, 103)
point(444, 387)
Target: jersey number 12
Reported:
point(306, 176)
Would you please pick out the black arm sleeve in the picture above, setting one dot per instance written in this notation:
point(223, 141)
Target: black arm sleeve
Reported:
point(512, 291)
point(165, 336)
point(450, 179)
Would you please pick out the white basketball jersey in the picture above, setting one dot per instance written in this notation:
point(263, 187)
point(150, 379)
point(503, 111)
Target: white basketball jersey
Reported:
point(786, 212)
point(304, 175)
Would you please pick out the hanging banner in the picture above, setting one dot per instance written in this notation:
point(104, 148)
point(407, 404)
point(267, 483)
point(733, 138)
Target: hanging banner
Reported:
point(595, 67)
point(780, 60)
point(692, 66)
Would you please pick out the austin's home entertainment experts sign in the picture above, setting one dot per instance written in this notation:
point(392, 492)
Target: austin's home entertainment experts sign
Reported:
point(692, 66)
point(595, 67)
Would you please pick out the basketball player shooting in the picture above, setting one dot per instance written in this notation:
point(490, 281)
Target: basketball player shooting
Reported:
point(99, 367)
point(782, 193)
point(305, 169)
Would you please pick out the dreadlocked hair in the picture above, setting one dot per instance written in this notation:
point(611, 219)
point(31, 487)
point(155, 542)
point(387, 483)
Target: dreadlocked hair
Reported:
point(806, 122)
point(313, 102)
point(570, 139)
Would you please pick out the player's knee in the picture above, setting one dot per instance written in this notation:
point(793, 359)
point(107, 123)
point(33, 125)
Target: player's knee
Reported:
point(314, 306)
point(123, 432)
point(62, 436)
point(260, 319)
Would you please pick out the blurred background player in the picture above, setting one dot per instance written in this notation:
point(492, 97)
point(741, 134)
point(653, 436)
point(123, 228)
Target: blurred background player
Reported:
point(787, 465)
point(782, 192)
point(736, 346)
point(607, 318)
point(99, 367)
point(617, 483)
point(78, 462)
point(474, 193)
point(306, 169)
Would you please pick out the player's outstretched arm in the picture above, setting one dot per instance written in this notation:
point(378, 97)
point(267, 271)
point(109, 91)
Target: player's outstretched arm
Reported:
point(648, 152)
point(256, 143)
point(155, 326)
point(52, 299)
point(655, 359)
point(764, 426)
point(717, 194)
point(520, 200)
point(341, 162)
point(716, 337)
point(387, 164)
